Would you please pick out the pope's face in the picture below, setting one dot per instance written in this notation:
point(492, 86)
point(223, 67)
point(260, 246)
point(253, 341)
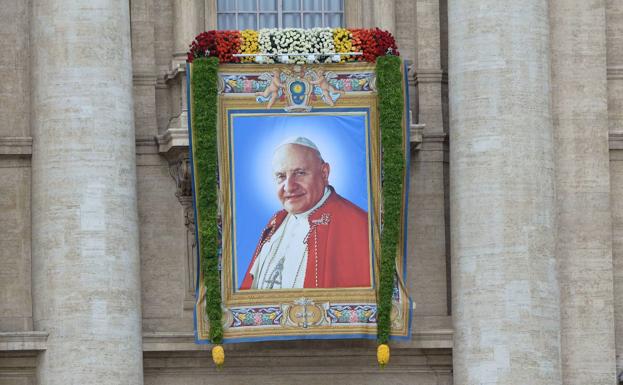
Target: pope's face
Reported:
point(300, 177)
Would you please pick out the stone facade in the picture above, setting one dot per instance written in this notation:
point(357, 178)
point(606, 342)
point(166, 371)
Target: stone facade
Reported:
point(515, 223)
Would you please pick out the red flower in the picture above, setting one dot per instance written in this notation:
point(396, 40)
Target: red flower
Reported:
point(222, 44)
point(372, 43)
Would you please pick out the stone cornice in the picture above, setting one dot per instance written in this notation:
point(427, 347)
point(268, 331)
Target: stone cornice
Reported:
point(415, 135)
point(146, 80)
point(438, 338)
point(173, 143)
point(615, 141)
point(23, 341)
point(615, 73)
point(300, 357)
point(435, 137)
point(176, 67)
point(430, 75)
point(171, 342)
point(15, 145)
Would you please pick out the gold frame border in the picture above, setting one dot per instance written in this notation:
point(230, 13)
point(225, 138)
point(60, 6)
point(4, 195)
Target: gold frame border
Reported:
point(231, 297)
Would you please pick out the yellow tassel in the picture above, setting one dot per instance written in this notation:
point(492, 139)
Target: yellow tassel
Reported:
point(218, 355)
point(382, 354)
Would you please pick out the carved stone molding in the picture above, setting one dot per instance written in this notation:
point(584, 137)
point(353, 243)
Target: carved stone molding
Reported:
point(430, 75)
point(180, 172)
point(428, 338)
point(15, 145)
point(415, 135)
point(23, 341)
point(176, 67)
point(615, 140)
point(615, 72)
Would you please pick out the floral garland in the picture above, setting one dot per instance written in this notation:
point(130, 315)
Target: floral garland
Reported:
point(319, 43)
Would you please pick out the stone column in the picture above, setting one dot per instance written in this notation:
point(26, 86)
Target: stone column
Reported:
point(584, 243)
point(505, 295)
point(384, 12)
point(86, 267)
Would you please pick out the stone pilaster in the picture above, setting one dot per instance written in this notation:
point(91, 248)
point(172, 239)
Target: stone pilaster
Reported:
point(614, 39)
point(86, 267)
point(429, 75)
point(384, 13)
point(584, 243)
point(406, 31)
point(189, 21)
point(614, 45)
point(430, 166)
point(505, 295)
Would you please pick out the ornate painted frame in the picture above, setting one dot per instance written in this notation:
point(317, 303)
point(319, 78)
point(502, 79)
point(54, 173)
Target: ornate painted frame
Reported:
point(256, 315)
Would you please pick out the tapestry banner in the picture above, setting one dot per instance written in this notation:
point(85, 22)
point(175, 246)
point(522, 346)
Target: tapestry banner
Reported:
point(300, 204)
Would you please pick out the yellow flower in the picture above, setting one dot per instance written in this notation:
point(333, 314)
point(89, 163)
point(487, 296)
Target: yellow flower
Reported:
point(382, 354)
point(249, 44)
point(342, 40)
point(218, 355)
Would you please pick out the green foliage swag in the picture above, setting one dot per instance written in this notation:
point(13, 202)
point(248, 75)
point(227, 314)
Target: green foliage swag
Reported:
point(204, 118)
point(391, 106)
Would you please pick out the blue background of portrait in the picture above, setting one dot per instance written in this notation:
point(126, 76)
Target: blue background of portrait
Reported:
point(341, 140)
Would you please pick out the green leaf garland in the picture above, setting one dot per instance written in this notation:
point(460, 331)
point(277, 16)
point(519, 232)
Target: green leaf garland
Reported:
point(204, 119)
point(391, 106)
